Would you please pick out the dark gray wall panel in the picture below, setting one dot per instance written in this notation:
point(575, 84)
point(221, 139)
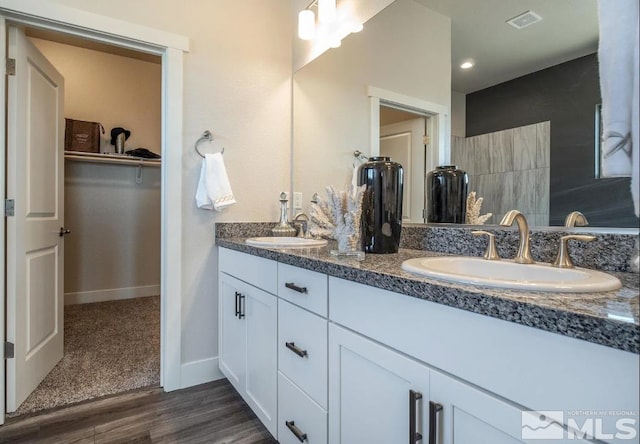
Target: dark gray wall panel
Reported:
point(566, 95)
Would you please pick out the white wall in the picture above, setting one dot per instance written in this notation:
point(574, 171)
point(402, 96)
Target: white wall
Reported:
point(113, 90)
point(458, 114)
point(404, 49)
point(113, 251)
point(237, 84)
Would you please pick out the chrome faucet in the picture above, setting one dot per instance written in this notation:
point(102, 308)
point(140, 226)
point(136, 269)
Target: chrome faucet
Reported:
point(575, 219)
point(524, 251)
point(302, 220)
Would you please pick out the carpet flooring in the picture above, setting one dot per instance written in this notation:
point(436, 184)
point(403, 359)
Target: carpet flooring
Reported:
point(109, 347)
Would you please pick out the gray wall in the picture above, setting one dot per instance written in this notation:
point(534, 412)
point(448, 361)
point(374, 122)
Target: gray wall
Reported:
point(565, 95)
point(509, 169)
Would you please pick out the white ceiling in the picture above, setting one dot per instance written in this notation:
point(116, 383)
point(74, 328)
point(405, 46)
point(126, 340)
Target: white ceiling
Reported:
point(479, 31)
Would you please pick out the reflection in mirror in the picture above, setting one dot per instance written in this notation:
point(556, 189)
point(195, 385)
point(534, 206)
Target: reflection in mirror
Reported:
point(523, 119)
point(404, 49)
point(403, 137)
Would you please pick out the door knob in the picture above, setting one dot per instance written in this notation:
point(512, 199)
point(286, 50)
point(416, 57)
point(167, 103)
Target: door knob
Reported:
point(63, 231)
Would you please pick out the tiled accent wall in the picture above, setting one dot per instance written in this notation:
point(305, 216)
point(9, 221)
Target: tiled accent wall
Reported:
point(509, 169)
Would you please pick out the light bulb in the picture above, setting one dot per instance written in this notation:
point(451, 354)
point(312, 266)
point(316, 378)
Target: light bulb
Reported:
point(466, 65)
point(306, 24)
point(326, 11)
point(357, 27)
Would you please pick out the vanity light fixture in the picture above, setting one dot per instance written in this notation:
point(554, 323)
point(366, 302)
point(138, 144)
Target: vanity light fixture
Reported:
point(467, 65)
point(306, 24)
point(332, 25)
point(327, 11)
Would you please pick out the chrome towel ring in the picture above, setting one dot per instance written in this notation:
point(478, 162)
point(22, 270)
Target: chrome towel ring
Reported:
point(208, 136)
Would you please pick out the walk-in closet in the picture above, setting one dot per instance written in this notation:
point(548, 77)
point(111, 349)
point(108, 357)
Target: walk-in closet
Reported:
point(112, 214)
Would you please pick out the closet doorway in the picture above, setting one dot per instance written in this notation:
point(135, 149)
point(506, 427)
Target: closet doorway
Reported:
point(170, 47)
point(111, 256)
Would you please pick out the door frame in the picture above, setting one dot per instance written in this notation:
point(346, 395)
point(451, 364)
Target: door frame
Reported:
point(171, 47)
point(439, 121)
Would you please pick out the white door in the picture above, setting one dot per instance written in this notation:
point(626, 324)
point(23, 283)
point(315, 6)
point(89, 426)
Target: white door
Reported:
point(260, 310)
point(374, 392)
point(35, 169)
point(232, 331)
point(471, 416)
point(404, 143)
point(248, 349)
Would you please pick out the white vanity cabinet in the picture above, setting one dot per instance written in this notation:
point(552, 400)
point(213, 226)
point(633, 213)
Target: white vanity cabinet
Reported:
point(379, 395)
point(248, 317)
point(351, 363)
point(302, 356)
point(375, 394)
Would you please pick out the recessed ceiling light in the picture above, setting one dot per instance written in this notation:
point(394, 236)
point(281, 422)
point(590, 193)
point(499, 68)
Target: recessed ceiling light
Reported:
point(466, 65)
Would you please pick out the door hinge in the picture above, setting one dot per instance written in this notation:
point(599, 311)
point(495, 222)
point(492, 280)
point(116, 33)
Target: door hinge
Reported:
point(9, 207)
point(9, 350)
point(11, 67)
point(426, 140)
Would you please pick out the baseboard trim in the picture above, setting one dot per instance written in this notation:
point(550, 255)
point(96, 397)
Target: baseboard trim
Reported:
point(199, 372)
point(111, 294)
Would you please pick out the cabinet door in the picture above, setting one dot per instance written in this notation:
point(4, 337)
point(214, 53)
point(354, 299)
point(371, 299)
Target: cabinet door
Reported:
point(370, 392)
point(471, 416)
point(260, 312)
point(231, 331)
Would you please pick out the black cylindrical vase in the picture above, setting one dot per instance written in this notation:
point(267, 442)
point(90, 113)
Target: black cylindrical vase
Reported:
point(447, 195)
point(382, 205)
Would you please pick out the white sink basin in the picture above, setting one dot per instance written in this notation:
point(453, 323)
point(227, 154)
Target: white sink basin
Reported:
point(285, 242)
point(508, 274)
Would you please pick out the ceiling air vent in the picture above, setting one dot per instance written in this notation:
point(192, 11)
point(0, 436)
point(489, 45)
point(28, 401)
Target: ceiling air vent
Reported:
point(525, 19)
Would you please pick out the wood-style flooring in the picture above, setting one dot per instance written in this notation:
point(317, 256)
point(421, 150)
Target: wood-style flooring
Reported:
point(208, 413)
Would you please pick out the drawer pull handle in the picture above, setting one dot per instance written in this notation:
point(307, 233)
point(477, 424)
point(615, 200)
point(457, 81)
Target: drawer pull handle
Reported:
point(297, 350)
point(294, 287)
point(240, 306)
point(414, 435)
point(302, 437)
point(434, 408)
point(237, 304)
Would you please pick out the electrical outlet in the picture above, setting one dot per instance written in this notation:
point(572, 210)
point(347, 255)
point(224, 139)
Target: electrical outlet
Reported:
point(297, 201)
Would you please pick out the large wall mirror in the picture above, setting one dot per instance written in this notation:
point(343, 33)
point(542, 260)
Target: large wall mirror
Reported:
point(521, 122)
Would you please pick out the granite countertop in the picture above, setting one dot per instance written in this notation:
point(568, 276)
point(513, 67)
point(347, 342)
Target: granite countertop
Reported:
point(607, 318)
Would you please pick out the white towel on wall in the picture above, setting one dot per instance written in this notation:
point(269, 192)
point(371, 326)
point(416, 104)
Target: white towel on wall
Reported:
point(214, 190)
point(618, 57)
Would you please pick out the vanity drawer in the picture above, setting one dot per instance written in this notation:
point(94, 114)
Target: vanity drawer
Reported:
point(302, 350)
point(308, 418)
point(257, 271)
point(305, 288)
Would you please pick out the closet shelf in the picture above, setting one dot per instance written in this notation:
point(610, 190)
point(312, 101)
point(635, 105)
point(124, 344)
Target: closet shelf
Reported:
point(78, 156)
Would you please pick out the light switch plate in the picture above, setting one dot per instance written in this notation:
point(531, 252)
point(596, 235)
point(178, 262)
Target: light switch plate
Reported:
point(297, 201)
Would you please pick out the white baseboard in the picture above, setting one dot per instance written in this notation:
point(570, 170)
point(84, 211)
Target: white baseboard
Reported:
point(111, 294)
point(199, 372)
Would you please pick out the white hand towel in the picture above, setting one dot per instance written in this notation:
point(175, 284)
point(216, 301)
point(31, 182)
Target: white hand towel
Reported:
point(214, 190)
point(618, 42)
